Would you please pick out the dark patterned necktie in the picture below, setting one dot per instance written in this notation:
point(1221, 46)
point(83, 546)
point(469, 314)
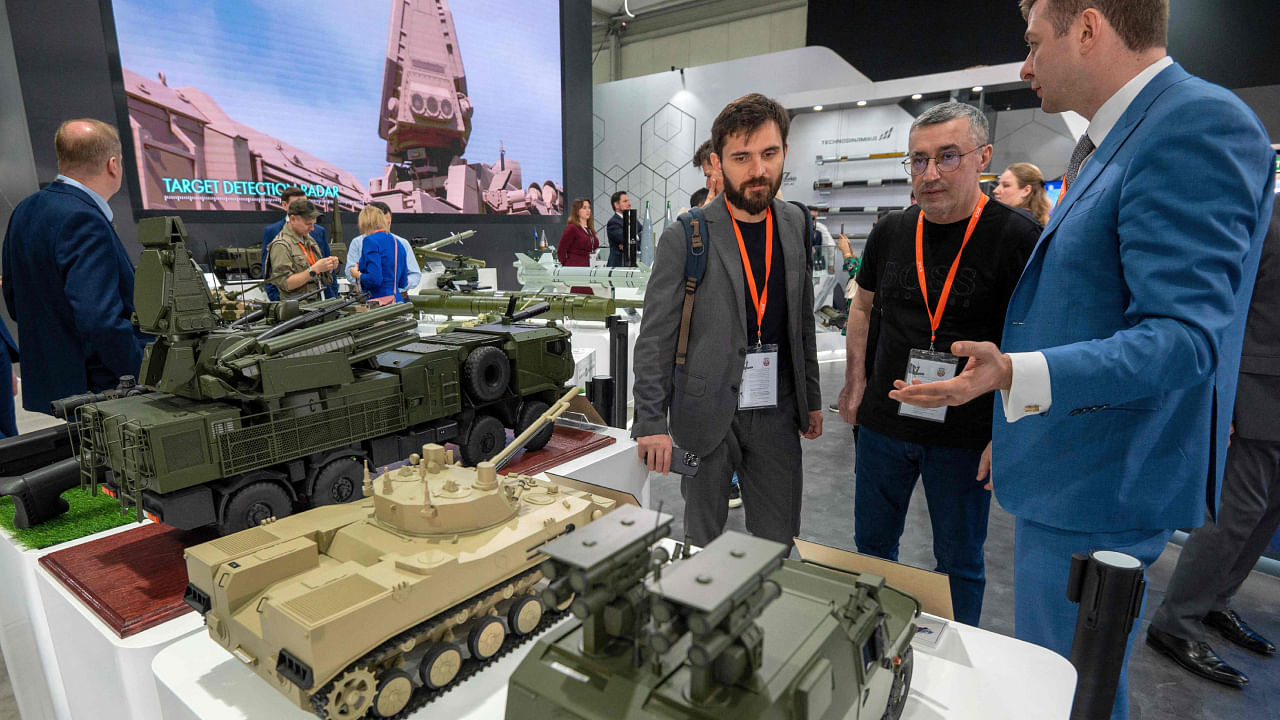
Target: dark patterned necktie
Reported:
point(1083, 149)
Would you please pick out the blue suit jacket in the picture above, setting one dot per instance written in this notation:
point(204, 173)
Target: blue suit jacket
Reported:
point(69, 284)
point(8, 356)
point(318, 233)
point(1137, 294)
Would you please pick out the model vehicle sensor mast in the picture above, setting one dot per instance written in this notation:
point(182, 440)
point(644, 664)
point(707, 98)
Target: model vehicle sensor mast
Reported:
point(281, 409)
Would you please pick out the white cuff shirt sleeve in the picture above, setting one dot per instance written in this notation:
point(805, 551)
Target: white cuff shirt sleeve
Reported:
point(1030, 392)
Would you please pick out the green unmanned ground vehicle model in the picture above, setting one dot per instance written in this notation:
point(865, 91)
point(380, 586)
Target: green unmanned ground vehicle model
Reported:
point(282, 409)
point(236, 260)
point(734, 631)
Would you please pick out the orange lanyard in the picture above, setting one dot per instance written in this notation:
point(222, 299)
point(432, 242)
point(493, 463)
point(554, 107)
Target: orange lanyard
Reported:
point(311, 259)
point(759, 299)
point(935, 320)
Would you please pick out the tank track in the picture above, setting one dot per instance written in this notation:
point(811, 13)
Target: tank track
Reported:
point(422, 695)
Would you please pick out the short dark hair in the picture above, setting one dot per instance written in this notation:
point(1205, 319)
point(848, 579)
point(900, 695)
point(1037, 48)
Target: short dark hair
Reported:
point(86, 152)
point(702, 155)
point(614, 198)
point(746, 115)
point(287, 195)
point(1141, 24)
point(698, 197)
point(381, 206)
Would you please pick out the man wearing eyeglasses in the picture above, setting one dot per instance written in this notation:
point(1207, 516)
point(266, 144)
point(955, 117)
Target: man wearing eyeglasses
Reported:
point(1121, 349)
point(968, 252)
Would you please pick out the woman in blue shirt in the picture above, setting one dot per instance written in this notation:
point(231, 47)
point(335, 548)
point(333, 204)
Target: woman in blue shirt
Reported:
point(383, 266)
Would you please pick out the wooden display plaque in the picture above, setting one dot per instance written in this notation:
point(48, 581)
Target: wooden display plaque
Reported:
point(565, 444)
point(132, 580)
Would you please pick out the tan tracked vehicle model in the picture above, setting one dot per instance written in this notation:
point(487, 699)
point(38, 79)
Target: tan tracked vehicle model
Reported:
point(373, 608)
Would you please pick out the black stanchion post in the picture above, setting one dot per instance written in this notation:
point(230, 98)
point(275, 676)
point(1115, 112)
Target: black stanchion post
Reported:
point(619, 367)
point(600, 393)
point(630, 218)
point(1109, 587)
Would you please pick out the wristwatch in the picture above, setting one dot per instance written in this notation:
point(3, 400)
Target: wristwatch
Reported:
point(312, 272)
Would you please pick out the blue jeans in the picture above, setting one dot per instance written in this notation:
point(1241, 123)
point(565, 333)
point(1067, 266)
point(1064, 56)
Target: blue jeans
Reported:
point(885, 472)
point(1042, 614)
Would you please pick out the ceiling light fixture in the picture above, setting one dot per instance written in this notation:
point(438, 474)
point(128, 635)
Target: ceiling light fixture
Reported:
point(862, 103)
point(817, 108)
point(976, 88)
point(627, 10)
point(917, 96)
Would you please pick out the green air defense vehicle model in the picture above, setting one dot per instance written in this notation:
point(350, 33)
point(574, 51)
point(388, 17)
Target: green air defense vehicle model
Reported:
point(282, 408)
point(378, 606)
point(735, 631)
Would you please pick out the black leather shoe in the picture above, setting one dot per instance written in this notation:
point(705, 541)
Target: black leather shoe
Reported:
point(1231, 627)
point(1197, 657)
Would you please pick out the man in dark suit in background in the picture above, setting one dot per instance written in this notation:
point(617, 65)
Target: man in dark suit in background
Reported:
point(617, 241)
point(1220, 554)
point(67, 279)
point(318, 234)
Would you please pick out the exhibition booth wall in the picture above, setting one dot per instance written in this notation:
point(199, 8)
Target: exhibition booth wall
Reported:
point(61, 55)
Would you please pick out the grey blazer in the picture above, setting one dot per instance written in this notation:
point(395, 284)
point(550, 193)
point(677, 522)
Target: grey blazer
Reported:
point(696, 403)
point(1257, 411)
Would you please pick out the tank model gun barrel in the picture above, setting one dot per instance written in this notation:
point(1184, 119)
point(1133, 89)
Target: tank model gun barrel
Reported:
point(550, 415)
point(306, 319)
point(237, 294)
point(531, 311)
point(424, 254)
point(64, 408)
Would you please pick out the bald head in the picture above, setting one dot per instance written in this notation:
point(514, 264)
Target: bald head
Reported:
point(85, 147)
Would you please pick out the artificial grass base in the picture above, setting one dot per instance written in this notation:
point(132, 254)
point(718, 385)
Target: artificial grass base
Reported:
point(89, 514)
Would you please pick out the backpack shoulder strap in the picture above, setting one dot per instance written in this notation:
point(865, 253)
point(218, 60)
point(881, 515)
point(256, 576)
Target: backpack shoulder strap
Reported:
point(809, 230)
point(695, 266)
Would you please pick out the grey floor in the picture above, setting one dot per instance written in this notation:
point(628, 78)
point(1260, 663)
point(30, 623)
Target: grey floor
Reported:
point(1159, 690)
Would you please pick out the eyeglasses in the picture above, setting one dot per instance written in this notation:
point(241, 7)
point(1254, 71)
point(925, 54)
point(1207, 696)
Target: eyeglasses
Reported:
point(948, 161)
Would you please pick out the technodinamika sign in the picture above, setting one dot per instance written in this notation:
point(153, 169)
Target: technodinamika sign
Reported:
point(860, 138)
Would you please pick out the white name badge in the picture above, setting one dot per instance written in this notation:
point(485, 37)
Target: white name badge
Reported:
point(759, 387)
point(928, 366)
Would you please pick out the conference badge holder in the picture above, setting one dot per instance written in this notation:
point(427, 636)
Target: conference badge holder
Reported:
point(759, 389)
point(928, 366)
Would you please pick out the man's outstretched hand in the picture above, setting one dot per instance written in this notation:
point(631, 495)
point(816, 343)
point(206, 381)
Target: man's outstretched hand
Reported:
point(988, 369)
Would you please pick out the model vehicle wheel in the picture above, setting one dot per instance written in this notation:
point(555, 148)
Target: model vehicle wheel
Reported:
point(524, 614)
point(529, 414)
point(486, 373)
point(252, 504)
point(485, 438)
point(351, 696)
point(440, 665)
point(394, 690)
point(338, 481)
point(901, 686)
point(485, 639)
point(255, 271)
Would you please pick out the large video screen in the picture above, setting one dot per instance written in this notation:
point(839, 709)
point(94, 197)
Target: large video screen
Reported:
point(432, 106)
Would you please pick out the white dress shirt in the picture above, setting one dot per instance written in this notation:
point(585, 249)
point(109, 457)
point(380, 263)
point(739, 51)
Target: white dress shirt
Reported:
point(1030, 390)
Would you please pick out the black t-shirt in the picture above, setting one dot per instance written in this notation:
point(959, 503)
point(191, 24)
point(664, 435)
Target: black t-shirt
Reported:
point(774, 327)
point(989, 270)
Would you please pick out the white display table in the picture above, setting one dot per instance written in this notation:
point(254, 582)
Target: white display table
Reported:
point(24, 631)
point(972, 673)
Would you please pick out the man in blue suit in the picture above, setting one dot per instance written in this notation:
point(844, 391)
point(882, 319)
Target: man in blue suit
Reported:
point(318, 233)
point(1122, 339)
point(617, 239)
point(67, 279)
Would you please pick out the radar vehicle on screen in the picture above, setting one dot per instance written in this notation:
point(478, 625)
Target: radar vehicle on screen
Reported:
point(376, 607)
point(280, 409)
point(735, 631)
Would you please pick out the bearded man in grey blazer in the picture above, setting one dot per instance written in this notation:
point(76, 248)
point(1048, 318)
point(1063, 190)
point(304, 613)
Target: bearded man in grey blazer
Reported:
point(747, 388)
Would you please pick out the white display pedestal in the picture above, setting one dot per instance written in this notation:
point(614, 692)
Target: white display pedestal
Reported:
point(972, 674)
point(24, 632)
point(102, 675)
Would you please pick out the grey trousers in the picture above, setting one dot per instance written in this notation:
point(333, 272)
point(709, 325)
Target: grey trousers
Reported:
point(1219, 555)
point(763, 447)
